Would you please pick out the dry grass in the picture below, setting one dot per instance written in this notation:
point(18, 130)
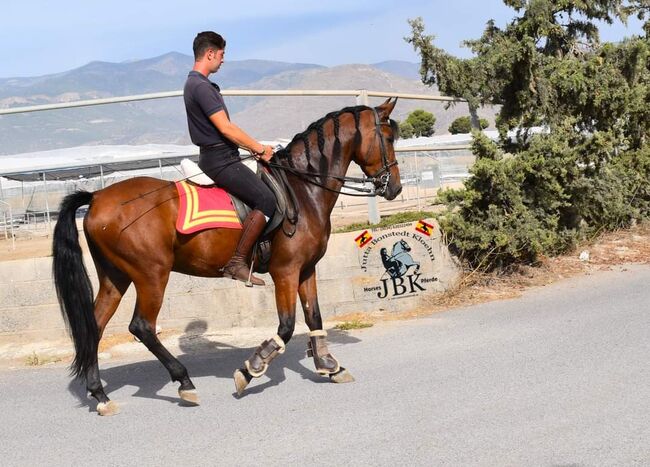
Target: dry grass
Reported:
point(354, 324)
point(630, 246)
point(35, 359)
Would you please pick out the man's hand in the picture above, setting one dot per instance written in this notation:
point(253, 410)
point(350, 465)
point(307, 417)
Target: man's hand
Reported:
point(267, 154)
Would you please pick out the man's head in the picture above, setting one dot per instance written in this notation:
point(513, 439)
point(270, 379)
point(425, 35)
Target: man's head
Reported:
point(207, 40)
point(208, 49)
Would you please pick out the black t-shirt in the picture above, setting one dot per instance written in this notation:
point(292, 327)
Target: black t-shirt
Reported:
point(202, 99)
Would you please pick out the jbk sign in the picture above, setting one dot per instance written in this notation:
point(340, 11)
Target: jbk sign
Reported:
point(400, 258)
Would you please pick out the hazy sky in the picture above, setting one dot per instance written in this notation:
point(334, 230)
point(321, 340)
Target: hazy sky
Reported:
point(40, 37)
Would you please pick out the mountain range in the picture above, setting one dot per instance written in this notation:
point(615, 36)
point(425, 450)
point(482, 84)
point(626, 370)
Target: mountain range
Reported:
point(163, 121)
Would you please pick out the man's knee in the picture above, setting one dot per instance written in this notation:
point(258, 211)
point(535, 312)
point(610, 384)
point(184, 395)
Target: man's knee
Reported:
point(266, 203)
point(269, 208)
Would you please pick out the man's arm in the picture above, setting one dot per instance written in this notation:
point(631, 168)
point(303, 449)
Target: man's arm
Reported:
point(238, 136)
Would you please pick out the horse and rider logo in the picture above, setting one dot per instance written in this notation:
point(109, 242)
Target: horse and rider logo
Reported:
point(402, 259)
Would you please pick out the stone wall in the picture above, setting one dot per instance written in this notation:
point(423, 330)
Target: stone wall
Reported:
point(388, 270)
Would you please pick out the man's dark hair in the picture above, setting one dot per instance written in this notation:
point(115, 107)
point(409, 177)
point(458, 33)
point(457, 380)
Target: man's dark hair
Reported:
point(206, 40)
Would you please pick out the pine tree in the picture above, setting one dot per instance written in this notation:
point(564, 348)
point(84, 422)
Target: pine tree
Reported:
point(536, 194)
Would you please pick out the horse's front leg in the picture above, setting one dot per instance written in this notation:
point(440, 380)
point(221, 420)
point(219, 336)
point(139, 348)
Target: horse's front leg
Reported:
point(324, 361)
point(286, 286)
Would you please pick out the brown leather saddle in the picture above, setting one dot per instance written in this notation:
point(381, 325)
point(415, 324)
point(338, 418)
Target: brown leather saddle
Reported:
point(285, 209)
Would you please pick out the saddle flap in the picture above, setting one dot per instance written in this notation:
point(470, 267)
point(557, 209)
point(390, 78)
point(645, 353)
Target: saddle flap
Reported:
point(201, 208)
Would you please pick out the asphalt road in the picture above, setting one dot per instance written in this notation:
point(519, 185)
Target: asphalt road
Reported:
point(559, 377)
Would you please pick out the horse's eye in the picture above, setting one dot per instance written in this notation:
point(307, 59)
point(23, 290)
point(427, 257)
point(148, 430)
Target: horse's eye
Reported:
point(391, 140)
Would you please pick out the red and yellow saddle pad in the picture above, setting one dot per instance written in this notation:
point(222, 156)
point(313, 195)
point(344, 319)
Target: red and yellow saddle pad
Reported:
point(204, 208)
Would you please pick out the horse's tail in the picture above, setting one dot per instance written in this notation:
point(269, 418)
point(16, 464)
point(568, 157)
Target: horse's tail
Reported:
point(73, 287)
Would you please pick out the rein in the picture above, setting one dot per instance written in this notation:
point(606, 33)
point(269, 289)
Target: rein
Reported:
point(381, 178)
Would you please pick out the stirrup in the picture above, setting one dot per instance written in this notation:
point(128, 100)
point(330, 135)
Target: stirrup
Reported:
point(249, 283)
point(247, 280)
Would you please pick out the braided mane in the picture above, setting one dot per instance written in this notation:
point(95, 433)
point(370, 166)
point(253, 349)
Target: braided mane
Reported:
point(318, 127)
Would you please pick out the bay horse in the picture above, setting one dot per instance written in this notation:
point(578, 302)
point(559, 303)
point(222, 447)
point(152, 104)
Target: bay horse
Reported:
point(131, 235)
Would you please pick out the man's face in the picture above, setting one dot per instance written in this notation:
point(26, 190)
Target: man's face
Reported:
point(215, 58)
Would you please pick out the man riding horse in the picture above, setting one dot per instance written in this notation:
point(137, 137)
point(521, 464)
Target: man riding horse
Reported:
point(219, 139)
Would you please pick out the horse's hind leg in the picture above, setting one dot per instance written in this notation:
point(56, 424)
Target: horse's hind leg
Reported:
point(112, 287)
point(149, 299)
point(324, 361)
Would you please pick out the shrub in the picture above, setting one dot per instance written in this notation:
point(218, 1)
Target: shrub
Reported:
point(422, 122)
point(464, 125)
point(406, 130)
point(531, 196)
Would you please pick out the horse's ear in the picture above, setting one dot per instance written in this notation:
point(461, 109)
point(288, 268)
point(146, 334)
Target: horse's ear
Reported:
point(386, 108)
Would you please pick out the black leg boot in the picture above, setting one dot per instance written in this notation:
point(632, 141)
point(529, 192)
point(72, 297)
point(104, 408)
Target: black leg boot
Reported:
point(238, 267)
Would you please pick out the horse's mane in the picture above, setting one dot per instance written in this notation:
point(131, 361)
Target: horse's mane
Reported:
point(318, 125)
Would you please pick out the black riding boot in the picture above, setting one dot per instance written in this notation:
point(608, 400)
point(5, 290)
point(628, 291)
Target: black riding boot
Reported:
point(238, 267)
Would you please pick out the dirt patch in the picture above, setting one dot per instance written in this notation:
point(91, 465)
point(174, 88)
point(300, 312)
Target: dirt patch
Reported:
point(33, 244)
point(630, 246)
point(35, 247)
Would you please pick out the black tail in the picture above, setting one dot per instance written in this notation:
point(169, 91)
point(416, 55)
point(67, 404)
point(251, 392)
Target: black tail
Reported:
point(73, 287)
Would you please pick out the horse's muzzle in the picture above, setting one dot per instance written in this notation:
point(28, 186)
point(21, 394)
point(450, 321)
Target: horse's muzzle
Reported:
point(392, 191)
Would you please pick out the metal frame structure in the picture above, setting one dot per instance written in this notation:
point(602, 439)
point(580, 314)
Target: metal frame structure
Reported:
point(361, 94)
point(8, 224)
point(362, 98)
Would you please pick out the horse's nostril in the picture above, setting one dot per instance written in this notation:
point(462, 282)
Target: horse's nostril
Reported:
point(392, 192)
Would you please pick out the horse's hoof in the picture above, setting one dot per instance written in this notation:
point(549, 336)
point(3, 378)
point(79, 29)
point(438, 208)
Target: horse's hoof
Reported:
point(190, 396)
point(342, 376)
point(240, 381)
point(106, 409)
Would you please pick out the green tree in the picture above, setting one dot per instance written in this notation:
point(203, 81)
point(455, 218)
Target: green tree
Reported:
point(422, 122)
point(534, 195)
point(546, 64)
point(464, 125)
point(406, 130)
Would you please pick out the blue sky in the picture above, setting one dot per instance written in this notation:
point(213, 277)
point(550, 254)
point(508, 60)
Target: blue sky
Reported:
point(40, 37)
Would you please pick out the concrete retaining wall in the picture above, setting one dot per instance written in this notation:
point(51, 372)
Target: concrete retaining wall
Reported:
point(352, 277)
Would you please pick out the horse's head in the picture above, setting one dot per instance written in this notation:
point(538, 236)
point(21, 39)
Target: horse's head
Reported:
point(376, 154)
point(405, 246)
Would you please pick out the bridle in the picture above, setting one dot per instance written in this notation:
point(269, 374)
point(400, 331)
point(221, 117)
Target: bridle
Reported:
point(380, 179)
point(383, 174)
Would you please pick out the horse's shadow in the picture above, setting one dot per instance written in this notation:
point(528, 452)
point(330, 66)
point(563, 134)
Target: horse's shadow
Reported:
point(204, 357)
